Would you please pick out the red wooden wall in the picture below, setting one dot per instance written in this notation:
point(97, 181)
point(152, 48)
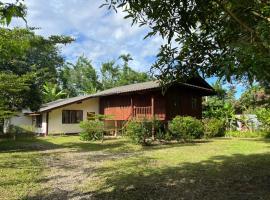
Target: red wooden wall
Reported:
point(176, 101)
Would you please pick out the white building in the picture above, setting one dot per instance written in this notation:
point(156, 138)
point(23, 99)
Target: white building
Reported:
point(61, 116)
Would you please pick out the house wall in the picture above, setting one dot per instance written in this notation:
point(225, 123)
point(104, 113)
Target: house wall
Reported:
point(179, 102)
point(21, 121)
point(55, 116)
point(119, 107)
point(176, 101)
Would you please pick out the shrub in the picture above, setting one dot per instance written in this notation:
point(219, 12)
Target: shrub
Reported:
point(213, 128)
point(138, 132)
point(92, 130)
point(247, 134)
point(186, 128)
point(263, 116)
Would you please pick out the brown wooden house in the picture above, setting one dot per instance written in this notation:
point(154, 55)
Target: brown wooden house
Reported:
point(148, 100)
point(137, 101)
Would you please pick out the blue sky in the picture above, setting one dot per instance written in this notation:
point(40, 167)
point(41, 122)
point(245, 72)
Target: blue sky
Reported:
point(100, 34)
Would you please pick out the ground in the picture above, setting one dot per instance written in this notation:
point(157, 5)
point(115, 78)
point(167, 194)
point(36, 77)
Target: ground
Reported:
point(67, 168)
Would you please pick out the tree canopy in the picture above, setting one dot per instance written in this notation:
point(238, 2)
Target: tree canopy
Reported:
point(224, 38)
point(22, 52)
point(10, 10)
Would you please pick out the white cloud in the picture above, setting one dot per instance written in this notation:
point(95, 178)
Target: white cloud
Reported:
point(101, 34)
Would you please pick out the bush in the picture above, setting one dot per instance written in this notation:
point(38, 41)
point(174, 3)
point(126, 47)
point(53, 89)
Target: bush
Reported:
point(138, 132)
point(263, 116)
point(186, 128)
point(92, 130)
point(247, 134)
point(213, 128)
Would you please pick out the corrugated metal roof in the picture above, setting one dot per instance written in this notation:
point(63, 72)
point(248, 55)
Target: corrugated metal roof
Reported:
point(117, 90)
point(129, 88)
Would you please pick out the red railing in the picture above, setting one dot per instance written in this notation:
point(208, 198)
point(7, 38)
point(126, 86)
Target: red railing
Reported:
point(142, 112)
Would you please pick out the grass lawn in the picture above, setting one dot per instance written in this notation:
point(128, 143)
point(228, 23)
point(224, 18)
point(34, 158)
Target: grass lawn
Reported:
point(67, 168)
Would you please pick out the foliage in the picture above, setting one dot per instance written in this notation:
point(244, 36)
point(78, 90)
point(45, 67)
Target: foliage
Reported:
point(113, 75)
point(247, 134)
point(80, 78)
point(263, 115)
point(186, 128)
point(92, 130)
point(13, 91)
point(23, 52)
point(227, 39)
point(213, 128)
point(138, 132)
point(254, 97)
point(51, 92)
point(10, 10)
point(222, 106)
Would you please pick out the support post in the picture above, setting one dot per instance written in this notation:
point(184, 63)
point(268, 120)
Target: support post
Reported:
point(132, 107)
point(115, 128)
point(47, 124)
point(153, 115)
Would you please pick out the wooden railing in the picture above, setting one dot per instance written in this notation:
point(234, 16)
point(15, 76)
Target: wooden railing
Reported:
point(142, 112)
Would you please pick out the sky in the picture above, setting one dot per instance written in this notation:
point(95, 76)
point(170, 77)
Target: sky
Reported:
point(100, 34)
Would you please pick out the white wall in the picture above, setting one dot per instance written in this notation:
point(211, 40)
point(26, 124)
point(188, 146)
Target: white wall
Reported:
point(21, 120)
point(55, 116)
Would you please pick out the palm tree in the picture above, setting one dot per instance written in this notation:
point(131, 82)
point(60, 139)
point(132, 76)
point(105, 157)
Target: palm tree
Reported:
point(51, 92)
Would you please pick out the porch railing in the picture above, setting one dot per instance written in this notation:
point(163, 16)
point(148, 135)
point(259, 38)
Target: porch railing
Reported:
point(142, 112)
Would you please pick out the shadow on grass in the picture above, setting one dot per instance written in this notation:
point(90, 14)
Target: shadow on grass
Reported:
point(220, 177)
point(28, 144)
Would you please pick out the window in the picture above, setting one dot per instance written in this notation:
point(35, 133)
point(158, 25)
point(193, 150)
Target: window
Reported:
point(91, 115)
point(39, 121)
point(72, 116)
point(194, 103)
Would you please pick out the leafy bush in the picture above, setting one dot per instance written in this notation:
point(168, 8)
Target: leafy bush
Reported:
point(92, 130)
point(248, 134)
point(263, 115)
point(213, 128)
point(186, 128)
point(138, 132)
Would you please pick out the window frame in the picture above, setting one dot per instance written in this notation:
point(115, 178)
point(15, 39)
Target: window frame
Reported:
point(72, 116)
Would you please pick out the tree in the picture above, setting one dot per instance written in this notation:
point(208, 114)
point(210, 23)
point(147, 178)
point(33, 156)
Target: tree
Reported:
point(23, 52)
point(128, 75)
point(80, 78)
point(224, 38)
point(12, 92)
point(221, 106)
point(51, 92)
point(110, 75)
point(10, 10)
point(254, 97)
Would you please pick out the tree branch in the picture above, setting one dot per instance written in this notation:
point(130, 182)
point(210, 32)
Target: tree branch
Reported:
point(261, 16)
point(231, 14)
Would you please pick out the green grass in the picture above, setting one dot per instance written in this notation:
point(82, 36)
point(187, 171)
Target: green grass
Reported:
point(247, 134)
point(116, 169)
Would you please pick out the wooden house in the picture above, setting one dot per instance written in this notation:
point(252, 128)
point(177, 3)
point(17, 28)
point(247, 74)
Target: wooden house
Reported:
point(138, 101)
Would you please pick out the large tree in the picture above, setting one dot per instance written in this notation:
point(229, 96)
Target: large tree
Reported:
point(23, 52)
point(225, 38)
point(79, 78)
point(113, 75)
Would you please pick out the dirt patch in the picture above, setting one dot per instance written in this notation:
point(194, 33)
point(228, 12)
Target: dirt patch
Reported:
point(66, 170)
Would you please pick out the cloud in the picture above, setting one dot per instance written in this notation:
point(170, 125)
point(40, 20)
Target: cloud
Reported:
point(100, 34)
